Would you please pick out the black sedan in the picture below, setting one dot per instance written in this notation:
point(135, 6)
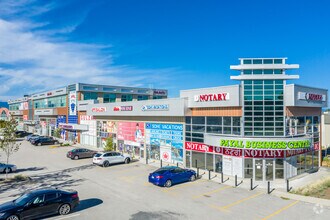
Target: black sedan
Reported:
point(39, 203)
point(43, 141)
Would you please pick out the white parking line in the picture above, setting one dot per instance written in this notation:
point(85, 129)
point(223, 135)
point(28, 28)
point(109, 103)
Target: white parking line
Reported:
point(66, 217)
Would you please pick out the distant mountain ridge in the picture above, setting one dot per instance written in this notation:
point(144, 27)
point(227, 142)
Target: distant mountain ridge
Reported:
point(3, 104)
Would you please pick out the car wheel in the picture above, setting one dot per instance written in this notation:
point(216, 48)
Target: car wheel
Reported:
point(168, 183)
point(76, 157)
point(192, 178)
point(56, 142)
point(39, 144)
point(127, 160)
point(106, 163)
point(64, 209)
point(13, 217)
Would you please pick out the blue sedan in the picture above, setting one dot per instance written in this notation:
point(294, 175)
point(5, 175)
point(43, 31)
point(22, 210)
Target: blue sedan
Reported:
point(167, 176)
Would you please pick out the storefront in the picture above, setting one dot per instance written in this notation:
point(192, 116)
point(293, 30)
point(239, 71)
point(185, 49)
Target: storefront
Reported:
point(70, 131)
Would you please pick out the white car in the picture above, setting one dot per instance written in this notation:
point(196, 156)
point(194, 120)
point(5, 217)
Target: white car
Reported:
point(106, 158)
point(7, 168)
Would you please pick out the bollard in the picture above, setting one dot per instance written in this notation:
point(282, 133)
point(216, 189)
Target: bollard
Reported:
point(221, 177)
point(161, 163)
point(196, 163)
point(209, 174)
point(177, 164)
point(197, 172)
point(287, 186)
point(251, 187)
point(268, 187)
point(235, 180)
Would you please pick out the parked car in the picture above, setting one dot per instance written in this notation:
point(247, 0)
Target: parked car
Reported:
point(170, 175)
point(7, 168)
point(106, 158)
point(35, 136)
point(20, 134)
point(44, 141)
point(40, 203)
point(79, 153)
point(31, 136)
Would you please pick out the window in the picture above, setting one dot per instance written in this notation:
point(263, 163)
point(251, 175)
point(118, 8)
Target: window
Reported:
point(108, 97)
point(90, 95)
point(38, 199)
point(52, 102)
point(247, 62)
point(268, 61)
point(214, 121)
point(142, 97)
point(277, 61)
point(109, 89)
point(198, 120)
point(126, 90)
point(90, 88)
point(257, 61)
point(50, 196)
point(126, 98)
point(248, 168)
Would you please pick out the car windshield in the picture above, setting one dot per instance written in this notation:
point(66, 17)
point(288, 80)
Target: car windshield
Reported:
point(23, 199)
point(97, 155)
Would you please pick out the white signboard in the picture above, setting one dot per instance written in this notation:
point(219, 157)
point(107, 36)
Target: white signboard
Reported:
point(227, 165)
point(73, 103)
point(165, 154)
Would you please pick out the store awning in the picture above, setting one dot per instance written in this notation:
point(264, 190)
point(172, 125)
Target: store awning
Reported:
point(73, 127)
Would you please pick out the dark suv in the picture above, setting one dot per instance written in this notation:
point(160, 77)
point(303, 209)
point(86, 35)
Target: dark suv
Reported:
point(40, 203)
point(79, 153)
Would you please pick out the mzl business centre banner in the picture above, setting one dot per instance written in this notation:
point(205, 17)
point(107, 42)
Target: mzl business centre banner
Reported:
point(170, 139)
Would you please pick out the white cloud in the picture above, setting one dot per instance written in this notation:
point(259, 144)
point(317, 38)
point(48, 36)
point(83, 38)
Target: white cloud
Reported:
point(32, 60)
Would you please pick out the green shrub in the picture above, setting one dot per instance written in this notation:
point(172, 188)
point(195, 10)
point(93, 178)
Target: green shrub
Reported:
point(109, 146)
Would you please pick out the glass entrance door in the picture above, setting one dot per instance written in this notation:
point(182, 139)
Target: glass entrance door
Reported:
point(258, 170)
point(269, 169)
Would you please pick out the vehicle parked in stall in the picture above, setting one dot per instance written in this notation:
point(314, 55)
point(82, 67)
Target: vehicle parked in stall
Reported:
point(79, 153)
point(105, 159)
point(44, 141)
point(39, 203)
point(33, 136)
point(21, 134)
point(170, 175)
point(7, 168)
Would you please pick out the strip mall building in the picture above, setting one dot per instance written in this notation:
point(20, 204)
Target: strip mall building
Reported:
point(261, 127)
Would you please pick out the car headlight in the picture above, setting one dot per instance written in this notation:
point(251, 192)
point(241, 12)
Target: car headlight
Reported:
point(2, 214)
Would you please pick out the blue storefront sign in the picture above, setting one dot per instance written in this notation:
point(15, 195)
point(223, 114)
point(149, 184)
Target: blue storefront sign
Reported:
point(60, 119)
point(167, 137)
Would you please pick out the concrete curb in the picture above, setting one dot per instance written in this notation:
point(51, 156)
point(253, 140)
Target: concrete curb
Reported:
point(307, 199)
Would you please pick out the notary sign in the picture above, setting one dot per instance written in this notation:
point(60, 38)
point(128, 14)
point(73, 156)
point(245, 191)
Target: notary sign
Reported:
point(212, 97)
point(314, 97)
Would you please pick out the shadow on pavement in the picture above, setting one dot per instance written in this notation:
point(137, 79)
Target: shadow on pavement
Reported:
point(88, 203)
point(59, 179)
point(30, 169)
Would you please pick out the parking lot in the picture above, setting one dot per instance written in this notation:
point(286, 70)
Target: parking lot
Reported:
point(123, 192)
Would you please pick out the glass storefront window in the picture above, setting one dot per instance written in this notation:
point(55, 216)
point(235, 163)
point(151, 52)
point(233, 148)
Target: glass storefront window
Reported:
point(214, 121)
point(209, 161)
point(279, 169)
point(200, 158)
point(126, 98)
point(316, 159)
point(218, 163)
point(309, 161)
point(248, 168)
point(301, 163)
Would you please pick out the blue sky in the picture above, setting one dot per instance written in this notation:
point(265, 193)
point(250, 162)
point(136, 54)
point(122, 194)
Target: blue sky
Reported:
point(174, 44)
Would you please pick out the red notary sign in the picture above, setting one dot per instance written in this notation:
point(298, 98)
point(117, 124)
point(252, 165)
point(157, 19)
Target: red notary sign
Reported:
point(211, 97)
point(252, 153)
point(99, 109)
point(232, 152)
point(198, 147)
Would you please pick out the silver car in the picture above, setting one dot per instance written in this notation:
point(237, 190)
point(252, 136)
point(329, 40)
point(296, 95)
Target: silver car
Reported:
point(7, 168)
point(106, 158)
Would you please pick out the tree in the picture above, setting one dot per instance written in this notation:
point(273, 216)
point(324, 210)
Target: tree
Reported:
point(109, 146)
point(8, 140)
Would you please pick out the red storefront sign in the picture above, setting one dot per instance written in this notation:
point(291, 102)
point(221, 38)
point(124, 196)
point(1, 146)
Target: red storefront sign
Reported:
point(25, 117)
point(198, 147)
point(314, 97)
point(232, 152)
point(218, 150)
point(290, 153)
point(211, 97)
point(99, 109)
point(252, 153)
point(123, 108)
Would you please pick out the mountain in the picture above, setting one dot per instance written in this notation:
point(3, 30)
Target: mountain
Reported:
point(3, 104)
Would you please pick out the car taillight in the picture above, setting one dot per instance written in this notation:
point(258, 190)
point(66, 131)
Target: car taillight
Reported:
point(159, 177)
point(74, 196)
point(98, 158)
